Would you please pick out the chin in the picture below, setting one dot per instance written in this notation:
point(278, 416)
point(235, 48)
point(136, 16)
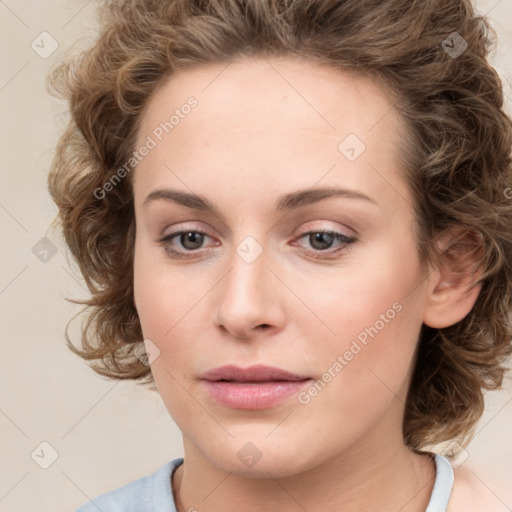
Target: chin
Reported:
point(256, 456)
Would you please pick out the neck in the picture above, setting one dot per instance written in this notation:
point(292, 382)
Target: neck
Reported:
point(379, 477)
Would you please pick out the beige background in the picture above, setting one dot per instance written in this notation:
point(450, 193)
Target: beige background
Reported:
point(104, 433)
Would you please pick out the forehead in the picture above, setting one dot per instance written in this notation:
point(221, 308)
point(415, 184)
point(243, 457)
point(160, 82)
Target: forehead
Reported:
point(268, 121)
point(277, 90)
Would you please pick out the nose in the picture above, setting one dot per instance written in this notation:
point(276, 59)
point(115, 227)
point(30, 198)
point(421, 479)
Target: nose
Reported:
point(249, 299)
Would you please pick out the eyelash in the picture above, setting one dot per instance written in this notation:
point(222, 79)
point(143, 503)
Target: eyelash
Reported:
point(346, 242)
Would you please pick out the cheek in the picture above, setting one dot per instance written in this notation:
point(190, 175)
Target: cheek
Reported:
point(374, 317)
point(168, 305)
point(363, 373)
point(160, 296)
point(151, 301)
point(374, 293)
point(159, 312)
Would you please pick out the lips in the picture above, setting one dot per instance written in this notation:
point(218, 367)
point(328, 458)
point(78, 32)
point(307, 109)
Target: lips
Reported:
point(257, 373)
point(256, 387)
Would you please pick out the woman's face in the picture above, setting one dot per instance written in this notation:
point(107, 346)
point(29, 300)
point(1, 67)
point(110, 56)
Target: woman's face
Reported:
point(258, 283)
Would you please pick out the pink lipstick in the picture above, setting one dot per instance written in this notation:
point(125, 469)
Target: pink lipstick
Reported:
point(255, 387)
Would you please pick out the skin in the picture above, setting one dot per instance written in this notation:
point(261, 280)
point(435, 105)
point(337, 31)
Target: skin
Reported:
point(263, 128)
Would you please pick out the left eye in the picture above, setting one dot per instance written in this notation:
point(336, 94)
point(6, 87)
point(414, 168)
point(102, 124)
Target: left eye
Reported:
point(192, 240)
point(323, 238)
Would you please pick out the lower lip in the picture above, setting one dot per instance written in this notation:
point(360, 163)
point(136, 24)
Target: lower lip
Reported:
point(257, 395)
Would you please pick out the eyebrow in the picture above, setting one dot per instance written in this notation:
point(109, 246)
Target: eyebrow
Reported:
point(286, 202)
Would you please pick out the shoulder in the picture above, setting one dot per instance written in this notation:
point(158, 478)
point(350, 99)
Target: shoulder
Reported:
point(471, 494)
point(140, 495)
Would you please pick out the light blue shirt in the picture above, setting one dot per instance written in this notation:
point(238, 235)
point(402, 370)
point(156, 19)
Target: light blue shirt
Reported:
point(153, 493)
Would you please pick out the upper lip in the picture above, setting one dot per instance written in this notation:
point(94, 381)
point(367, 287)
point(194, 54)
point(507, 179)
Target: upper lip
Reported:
point(256, 373)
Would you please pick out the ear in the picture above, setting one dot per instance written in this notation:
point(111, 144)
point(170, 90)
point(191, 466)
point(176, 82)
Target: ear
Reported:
point(452, 285)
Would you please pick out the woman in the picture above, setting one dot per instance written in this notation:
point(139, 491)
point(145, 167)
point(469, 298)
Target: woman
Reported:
point(293, 220)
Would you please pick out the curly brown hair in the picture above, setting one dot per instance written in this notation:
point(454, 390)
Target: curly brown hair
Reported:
point(457, 154)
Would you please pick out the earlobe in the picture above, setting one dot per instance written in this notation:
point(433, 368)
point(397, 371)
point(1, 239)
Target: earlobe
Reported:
point(453, 286)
